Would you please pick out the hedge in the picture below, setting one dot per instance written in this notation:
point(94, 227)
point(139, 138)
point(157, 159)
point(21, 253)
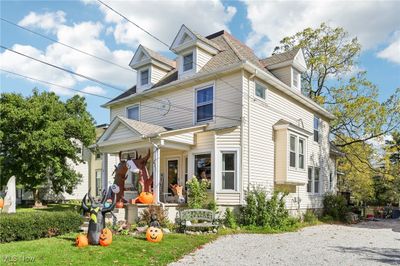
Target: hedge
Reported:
point(39, 224)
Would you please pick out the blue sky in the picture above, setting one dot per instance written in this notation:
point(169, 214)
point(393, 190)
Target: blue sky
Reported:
point(89, 27)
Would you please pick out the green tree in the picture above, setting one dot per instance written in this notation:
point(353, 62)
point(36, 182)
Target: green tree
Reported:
point(38, 137)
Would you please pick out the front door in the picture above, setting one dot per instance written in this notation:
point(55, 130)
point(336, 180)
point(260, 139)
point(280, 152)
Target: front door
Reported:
point(173, 170)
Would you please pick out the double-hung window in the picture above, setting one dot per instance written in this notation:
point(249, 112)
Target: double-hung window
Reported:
point(314, 180)
point(229, 170)
point(204, 104)
point(144, 77)
point(260, 91)
point(310, 179)
point(316, 128)
point(188, 62)
point(301, 153)
point(292, 156)
point(133, 112)
point(296, 78)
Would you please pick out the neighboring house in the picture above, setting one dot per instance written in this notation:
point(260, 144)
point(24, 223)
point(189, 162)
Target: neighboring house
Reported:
point(221, 113)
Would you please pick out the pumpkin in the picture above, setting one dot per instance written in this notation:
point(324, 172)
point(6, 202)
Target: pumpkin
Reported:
point(145, 198)
point(1, 203)
point(154, 234)
point(105, 237)
point(119, 205)
point(81, 241)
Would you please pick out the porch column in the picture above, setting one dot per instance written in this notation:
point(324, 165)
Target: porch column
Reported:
point(156, 173)
point(104, 171)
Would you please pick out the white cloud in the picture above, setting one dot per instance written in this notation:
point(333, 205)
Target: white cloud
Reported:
point(164, 18)
point(47, 21)
point(392, 51)
point(94, 90)
point(371, 21)
point(85, 36)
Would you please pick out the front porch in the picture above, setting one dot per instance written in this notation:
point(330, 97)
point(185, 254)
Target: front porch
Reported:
point(168, 162)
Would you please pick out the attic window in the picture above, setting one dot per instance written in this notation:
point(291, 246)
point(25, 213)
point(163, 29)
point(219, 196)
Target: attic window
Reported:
point(188, 62)
point(296, 78)
point(144, 77)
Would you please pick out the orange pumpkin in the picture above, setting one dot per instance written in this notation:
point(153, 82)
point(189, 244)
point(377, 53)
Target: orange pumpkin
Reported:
point(1, 203)
point(145, 198)
point(81, 241)
point(119, 205)
point(154, 234)
point(105, 237)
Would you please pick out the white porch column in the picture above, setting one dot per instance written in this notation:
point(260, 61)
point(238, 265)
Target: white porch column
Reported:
point(156, 173)
point(104, 171)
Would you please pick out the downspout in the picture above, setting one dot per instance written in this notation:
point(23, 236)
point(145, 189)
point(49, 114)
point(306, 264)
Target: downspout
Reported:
point(248, 128)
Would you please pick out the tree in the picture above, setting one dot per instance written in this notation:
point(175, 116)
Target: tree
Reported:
point(38, 137)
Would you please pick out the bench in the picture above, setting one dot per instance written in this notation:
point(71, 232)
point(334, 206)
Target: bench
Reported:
point(197, 218)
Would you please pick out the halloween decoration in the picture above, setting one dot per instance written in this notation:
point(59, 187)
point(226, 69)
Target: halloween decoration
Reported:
point(145, 198)
point(120, 177)
point(177, 190)
point(145, 180)
point(11, 196)
point(154, 221)
point(81, 241)
point(97, 212)
point(119, 205)
point(1, 203)
point(105, 237)
point(154, 234)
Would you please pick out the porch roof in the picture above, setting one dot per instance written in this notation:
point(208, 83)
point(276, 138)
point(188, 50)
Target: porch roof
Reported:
point(124, 133)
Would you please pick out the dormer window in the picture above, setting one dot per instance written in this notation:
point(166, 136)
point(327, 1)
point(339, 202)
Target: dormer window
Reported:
point(144, 77)
point(188, 62)
point(295, 78)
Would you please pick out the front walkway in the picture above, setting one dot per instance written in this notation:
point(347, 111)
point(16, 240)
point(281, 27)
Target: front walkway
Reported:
point(362, 244)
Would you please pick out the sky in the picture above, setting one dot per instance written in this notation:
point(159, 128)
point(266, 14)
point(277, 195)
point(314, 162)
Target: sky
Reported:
point(91, 27)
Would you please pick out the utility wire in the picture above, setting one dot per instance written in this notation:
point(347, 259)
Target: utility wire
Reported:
point(66, 45)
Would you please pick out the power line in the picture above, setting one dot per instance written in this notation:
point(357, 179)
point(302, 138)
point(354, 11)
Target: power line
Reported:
point(53, 84)
point(61, 68)
point(66, 45)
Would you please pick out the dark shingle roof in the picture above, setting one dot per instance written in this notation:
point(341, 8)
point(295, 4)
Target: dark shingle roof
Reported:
point(159, 57)
point(279, 58)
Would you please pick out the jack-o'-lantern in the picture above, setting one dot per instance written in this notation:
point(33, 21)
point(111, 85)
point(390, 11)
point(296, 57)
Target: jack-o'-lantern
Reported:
point(119, 205)
point(105, 237)
point(145, 198)
point(154, 234)
point(81, 241)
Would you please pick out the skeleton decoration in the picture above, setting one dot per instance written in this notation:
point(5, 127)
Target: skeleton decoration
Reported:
point(97, 210)
point(11, 197)
point(133, 167)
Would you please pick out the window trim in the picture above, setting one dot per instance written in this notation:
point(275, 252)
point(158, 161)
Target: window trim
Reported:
point(318, 128)
point(320, 181)
point(148, 76)
point(183, 62)
point(133, 106)
point(255, 90)
point(193, 161)
point(235, 152)
point(199, 88)
point(295, 150)
point(303, 154)
point(298, 78)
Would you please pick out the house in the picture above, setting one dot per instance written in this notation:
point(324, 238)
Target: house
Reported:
point(220, 112)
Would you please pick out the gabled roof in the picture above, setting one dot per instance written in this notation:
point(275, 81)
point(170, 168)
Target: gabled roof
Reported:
point(146, 54)
point(283, 124)
point(285, 58)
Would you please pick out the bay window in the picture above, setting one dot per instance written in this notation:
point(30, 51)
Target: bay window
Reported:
point(292, 156)
point(301, 153)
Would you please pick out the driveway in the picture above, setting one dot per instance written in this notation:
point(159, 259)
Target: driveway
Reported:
point(369, 243)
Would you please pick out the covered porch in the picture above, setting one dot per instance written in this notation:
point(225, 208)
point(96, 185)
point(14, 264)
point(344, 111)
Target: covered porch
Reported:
point(169, 151)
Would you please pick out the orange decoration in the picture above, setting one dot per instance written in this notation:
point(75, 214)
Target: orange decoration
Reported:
point(119, 205)
point(105, 237)
point(145, 198)
point(81, 241)
point(1, 203)
point(154, 234)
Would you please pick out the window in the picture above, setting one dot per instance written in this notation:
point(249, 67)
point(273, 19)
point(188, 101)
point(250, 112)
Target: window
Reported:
point(144, 77)
point(310, 177)
point(316, 180)
point(204, 101)
point(202, 167)
point(133, 112)
point(260, 91)
point(188, 62)
point(316, 128)
point(330, 181)
point(98, 182)
point(98, 156)
point(296, 78)
point(228, 170)
point(292, 159)
point(301, 153)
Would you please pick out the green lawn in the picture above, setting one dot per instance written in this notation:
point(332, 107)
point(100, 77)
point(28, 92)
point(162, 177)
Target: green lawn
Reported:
point(51, 208)
point(125, 250)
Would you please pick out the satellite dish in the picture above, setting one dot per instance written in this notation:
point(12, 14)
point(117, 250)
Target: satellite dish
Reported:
point(164, 107)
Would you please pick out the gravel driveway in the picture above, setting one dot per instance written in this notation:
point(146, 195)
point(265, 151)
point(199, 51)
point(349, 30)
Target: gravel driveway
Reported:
point(370, 243)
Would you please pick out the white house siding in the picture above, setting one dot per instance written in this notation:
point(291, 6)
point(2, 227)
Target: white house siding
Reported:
point(202, 58)
point(83, 169)
point(156, 74)
point(121, 132)
point(284, 74)
point(263, 115)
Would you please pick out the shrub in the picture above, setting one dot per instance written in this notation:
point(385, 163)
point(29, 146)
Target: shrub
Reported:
point(197, 193)
point(212, 205)
point(335, 206)
point(230, 219)
point(162, 215)
point(34, 225)
point(260, 211)
point(310, 217)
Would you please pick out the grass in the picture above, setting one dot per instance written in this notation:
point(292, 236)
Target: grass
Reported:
point(51, 208)
point(124, 250)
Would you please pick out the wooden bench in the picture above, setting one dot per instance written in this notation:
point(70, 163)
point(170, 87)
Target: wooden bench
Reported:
point(197, 218)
